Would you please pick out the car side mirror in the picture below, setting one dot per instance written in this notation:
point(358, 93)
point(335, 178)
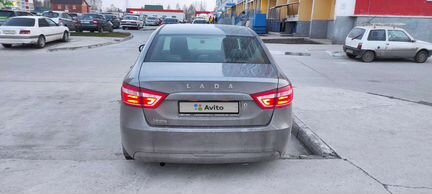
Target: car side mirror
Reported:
point(141, 47)
point(413, 40)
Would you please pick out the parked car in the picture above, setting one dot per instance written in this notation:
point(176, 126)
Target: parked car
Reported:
point(152, 21)
point(95, 22)
point(205, 94)
point(35, 30)
point(170, 21)
point(131, 21)
point(6, 14)
point(200, 21)
point(61, 18)
point(371, 42)
point(113, 19)
point(76, 20)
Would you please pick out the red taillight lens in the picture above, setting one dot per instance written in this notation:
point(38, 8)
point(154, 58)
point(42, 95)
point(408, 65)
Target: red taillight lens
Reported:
point(279, 98)
point(360, 45)
point(24, 32)
point(140, 97)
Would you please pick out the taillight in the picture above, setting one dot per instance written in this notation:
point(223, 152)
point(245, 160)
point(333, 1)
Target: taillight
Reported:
point(95, 21)
point(360, 45)
point(24, 32)
point(140, 97)
point(278, 98)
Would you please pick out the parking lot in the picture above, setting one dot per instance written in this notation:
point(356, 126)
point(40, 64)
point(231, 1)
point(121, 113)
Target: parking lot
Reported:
point(60, 130)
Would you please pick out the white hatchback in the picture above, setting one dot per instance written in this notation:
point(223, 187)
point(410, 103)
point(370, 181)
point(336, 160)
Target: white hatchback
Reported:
point(31, 30)
point(371, 42)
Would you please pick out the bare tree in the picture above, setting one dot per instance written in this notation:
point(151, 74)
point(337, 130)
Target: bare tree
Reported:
point(178, 6)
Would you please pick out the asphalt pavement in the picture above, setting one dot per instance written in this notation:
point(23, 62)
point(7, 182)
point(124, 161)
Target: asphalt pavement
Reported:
point(61, 129)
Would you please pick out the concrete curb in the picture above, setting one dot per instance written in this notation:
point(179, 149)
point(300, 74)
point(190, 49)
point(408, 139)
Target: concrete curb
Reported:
point(91, 46)
point(312, 141)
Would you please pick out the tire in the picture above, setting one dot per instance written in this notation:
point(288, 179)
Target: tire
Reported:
point(7, 45)
point(41, 42)
point(368, 56)
point(65, 36)
point(91, 31)
point(111, 30)
point(126, 155)
point(422, 56)
point(351, 56)
point(101, 30)
point(124, 28)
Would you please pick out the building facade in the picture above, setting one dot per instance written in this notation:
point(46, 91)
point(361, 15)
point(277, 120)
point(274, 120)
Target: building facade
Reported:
point(77, 6)
point(334, 19)
point(178, 14)
point(26, 5)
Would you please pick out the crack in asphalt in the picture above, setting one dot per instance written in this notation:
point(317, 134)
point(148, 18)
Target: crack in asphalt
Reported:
point(402, 99)
point(409, 187)
point(386, 186)
point(369, 175)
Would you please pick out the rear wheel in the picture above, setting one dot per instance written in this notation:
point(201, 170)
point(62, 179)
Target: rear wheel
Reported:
point(41, 42)
point(91, 31)
point(124, 28)
point(126, 155)
point(368, 56)
point(422, 56)
point(101, 30)
point(65, 37)
point(351, 56)
point(7, 45)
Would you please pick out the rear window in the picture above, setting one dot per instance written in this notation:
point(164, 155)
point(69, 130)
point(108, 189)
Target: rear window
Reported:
point(357, 33)
point(6, 14)
point(200, 22)
point(20, 22)
point(170, 21)
point(206, 49)
point(377, 35)
point(51, 14)
point(130, 18)
point(90, 17)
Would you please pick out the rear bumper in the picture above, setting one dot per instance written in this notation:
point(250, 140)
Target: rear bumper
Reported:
point(16, 40)
point(89, 27)
point(130, 25)
point(353, 50)
point(200, 145)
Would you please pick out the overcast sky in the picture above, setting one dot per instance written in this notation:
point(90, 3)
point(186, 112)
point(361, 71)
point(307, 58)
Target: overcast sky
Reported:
point(210, 4)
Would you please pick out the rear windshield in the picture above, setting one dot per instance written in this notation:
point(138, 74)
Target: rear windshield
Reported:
point(51, 14)
point(206, 49)
point(108, 17)
point(91, 17)
point(6, 14)
point(172, 21)
point(130, 18)
point(20, 22)
point(357, 33)
point(200, 22)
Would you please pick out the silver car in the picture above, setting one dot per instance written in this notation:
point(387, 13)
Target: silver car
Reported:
point(205, 94)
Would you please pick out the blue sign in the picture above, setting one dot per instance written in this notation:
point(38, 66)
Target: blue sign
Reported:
point(230, 5)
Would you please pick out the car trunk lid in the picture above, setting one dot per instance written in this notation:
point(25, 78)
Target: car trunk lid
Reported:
point(194, 86)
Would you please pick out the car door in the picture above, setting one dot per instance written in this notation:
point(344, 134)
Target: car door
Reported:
point(377, 41)
point(44, 28)
point(67, 19)
point(54, 30)
point(400, 44)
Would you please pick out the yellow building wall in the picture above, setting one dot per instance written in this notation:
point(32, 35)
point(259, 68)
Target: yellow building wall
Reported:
point(264, 6)
point(305, 10)
point(323, 10)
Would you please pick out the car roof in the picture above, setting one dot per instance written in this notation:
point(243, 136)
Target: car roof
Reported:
point(31, 17)
point(378, 27)
point(206, 29)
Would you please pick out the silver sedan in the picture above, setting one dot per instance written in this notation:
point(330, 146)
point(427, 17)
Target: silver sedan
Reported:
point(205, 94)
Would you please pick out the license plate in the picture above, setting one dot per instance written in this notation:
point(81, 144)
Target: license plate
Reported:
point(9, 32)
point(208, 107)
point(350, 51)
